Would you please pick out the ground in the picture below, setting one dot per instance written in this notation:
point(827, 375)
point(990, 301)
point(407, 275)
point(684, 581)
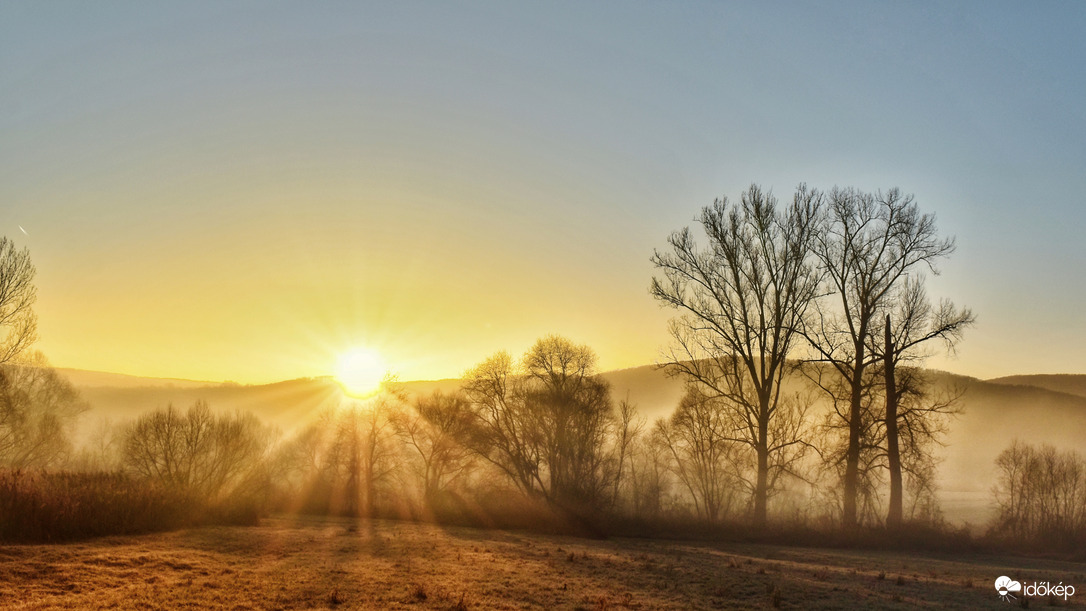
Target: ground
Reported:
point(288, 563)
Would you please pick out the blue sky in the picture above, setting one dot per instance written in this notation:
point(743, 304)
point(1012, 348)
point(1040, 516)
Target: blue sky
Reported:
point(244, 190)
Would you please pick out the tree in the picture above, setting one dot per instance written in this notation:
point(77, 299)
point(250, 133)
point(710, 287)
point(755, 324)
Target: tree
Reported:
point(18, 324)
point(648, 481)
point(698, 438)
point(1041, 494)
point(37, 405)
point(196, 451)
point(438, 428)
point(501, 428)
point(917, 324)
point(364, 433)
point(628, 431)
point(743, 301)
point(37, 409)
point(546, 424)
point(870, 244)
point(343, 461)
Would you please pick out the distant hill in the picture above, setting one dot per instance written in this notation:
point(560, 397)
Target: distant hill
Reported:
point(1072, 384)
point(649, 387)
point(994, 414)
point(285, 404)
point(88, 379)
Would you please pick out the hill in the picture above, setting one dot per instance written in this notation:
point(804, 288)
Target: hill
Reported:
point(994, 414)
point(285, 404)
point(83, 378)
point(1072, 384)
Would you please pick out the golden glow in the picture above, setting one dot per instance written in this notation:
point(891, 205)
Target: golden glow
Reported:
point(360, 371)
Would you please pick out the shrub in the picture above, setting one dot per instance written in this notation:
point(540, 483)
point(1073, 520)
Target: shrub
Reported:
point(46, 507)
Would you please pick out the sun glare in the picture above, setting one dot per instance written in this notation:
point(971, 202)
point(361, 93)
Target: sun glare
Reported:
point(360, 371)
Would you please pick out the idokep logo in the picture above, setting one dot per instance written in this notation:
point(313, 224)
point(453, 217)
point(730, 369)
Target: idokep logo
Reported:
point(1007, 587)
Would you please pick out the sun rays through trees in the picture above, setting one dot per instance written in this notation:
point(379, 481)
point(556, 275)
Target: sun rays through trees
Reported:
point(800, 332)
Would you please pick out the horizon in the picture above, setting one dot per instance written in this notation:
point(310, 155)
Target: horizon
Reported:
point(214, 193)
point(333, 377)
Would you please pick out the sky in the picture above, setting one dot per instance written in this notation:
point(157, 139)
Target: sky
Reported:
point(245, 191)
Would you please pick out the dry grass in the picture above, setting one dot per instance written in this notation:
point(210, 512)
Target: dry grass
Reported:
point(288, 563)
point(38, 506)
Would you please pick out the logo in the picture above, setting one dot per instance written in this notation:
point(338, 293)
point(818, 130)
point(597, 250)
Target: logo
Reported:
point(1005, 586)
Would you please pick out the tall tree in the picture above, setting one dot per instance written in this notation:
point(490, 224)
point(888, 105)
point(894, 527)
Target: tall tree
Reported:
point(868, 247)
point(743, 300)
point(917, 324)
point(364, 436)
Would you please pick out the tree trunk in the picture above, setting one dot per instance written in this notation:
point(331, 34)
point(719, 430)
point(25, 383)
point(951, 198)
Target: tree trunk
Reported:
point(893, 452)
point(371, 492)
point(761, 490)
point(852, 464)
point(353, 466)
point(852, 455)
point(369, 471)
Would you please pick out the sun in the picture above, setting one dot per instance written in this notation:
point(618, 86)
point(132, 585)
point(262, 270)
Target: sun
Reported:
point(360, 371)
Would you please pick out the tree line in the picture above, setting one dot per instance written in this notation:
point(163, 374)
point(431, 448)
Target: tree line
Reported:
point(799, 333)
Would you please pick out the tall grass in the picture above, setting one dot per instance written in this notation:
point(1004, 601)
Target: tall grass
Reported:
point(46, 507)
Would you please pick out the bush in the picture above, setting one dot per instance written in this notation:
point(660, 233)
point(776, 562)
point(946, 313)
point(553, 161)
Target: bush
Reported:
point(47, 507)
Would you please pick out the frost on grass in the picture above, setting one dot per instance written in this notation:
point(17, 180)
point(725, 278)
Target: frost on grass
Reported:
point(336, 564)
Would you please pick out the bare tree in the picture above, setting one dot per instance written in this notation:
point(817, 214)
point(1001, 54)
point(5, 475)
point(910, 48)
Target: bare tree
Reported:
point(365, 436)
point(38, 407)
point(629, 429)
point(548, 423)
point(100, 447)
point(502, 430)
point(918, 323)
point(344, 462)
point(18, 324)
point(1041, 494)
point(869, 245)
point(438, 428)
point(743, 301)
point(648, 475)
point(196, 450)
point(703, 456)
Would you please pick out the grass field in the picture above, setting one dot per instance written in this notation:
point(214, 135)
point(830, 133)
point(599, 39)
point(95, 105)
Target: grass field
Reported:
point(336, 564)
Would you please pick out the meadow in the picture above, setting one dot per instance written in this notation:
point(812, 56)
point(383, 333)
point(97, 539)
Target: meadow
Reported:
point(335, 563)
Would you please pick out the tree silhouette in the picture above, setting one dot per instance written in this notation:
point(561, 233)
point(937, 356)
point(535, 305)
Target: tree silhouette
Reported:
point(548, 423)
point(38, 407)
point(869, 246)
point(743, 300)
point(18, 324)
point(438, 428)
point(917, 324)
